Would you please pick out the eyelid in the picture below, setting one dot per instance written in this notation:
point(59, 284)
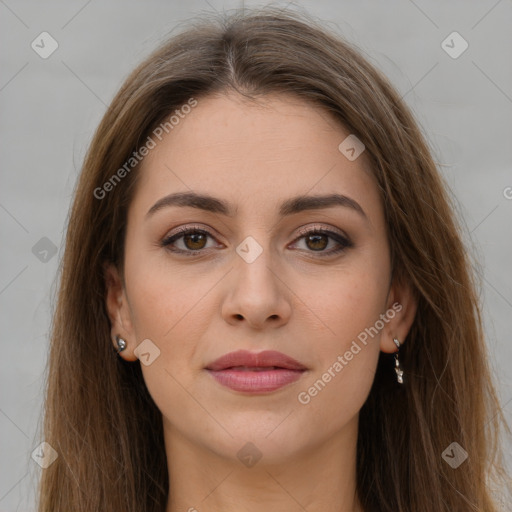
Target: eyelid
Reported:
point(340, 237)
point(302, 230)
point(319, 227)
point(191, 227)
point(183, 230)
point(333, 233)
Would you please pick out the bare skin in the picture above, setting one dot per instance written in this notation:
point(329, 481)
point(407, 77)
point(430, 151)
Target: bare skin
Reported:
point(297, 297)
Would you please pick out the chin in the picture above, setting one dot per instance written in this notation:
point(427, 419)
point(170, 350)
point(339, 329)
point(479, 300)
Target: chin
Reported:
point(270, 441)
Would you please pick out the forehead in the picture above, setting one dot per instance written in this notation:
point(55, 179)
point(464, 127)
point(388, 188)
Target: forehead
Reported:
point(255, 153)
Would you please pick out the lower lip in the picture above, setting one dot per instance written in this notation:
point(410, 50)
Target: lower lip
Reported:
point(255, 381)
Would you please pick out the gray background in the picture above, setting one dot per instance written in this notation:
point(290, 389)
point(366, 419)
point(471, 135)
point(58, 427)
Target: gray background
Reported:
point(50, 108)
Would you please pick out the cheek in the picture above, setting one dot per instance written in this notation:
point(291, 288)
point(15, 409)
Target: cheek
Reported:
point(166, 307)
point(345, 301)
point(333, 397)
point(346, 360)
point(348, 306)
point(160, 297)
point(171, 308)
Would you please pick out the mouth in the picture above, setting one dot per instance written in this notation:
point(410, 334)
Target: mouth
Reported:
point(261, 372)
point(254, 368)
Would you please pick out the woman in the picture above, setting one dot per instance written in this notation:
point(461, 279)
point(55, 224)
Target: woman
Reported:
point(264, 301)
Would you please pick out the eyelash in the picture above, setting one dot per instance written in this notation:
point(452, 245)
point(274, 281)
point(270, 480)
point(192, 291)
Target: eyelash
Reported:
point(343, 241)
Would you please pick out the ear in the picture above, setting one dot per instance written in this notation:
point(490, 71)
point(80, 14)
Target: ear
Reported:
point(401, 309)
point(119, 313)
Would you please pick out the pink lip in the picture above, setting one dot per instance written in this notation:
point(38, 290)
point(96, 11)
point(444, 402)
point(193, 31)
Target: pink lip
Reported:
point(255, 372)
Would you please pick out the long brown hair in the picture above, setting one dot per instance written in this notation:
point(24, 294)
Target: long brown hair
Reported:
point(99, 416)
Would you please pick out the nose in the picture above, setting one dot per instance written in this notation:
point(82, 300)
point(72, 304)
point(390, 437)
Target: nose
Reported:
point(258, 293)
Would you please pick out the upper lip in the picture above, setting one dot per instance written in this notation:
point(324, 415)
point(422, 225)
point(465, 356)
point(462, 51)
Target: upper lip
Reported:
point(267, 358)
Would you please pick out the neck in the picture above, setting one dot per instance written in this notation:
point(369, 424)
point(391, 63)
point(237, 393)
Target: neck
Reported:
point(319, 478)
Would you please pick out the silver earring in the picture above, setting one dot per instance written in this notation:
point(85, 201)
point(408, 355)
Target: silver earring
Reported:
point(121, 344)
point(398, 370)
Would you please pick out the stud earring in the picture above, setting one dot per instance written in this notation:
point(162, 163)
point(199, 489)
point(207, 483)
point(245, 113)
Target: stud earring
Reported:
point(121, 344)
point(398, 370)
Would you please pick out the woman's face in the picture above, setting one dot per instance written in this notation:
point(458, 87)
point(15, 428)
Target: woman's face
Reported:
point(255, 277)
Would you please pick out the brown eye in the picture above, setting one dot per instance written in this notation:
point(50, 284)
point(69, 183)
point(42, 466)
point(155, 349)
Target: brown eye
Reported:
point(192, 240)
point(317, 242)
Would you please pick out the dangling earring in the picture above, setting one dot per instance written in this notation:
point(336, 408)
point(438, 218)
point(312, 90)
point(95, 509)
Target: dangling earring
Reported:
point(398, 370)
point(121, 344)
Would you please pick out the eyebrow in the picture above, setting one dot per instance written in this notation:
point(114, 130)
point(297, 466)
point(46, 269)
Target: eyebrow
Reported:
point(288, 207)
